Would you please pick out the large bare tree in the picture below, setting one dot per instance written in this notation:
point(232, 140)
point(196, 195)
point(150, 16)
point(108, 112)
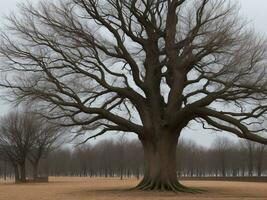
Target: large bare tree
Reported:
point(142, 66)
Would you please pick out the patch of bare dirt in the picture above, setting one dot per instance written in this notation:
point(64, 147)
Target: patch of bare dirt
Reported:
point(112, 189)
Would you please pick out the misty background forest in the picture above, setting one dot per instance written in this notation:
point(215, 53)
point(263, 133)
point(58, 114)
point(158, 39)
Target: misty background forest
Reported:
point(123, 158)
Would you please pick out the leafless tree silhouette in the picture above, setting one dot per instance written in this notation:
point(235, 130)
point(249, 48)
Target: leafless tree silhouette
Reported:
point(254, 156)
point(48, 137)
point(25, 136)
point(17, 138)
point(142, 66)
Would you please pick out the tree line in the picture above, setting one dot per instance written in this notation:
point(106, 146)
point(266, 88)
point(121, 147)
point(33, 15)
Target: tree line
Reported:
point(124, 158)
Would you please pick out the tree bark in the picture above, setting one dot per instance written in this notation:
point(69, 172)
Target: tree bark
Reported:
point(35, 170)
point(5, 170)
point(160, 165)
point(16, 171)
point(22, 172)
point(259, 167)
point(259, 171)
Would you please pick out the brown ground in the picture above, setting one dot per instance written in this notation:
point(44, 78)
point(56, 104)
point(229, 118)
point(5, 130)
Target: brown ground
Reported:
point(107, 189)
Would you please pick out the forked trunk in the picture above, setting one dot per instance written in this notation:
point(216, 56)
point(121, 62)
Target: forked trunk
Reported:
point(160, 165)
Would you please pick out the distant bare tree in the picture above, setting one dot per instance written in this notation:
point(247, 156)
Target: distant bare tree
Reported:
point(144, 66)
point(260, 154)
point(6, 169)
point(26, 136)
point(234, 160)
point(222, 145)
point(17, 135)
point(46, 139)
point(249, 148)
point(81, 157)
point(61, 162)
point(135, 158)
point(254, 156)
point(122, 145)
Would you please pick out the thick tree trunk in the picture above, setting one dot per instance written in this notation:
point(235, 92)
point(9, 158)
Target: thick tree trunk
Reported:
point(259, 163)
point(35, 170)
point(5, 170)
point(259, 169)
point(259, 172)
point(35, 166)
point(16, 171)
point(160, 165)
point(121, 173)
point(22, 172)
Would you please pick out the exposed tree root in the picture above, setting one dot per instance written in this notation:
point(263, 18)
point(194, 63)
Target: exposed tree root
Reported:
point(175, 186)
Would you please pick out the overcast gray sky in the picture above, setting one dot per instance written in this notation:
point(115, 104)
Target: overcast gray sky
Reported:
point(252, 10)
point(255, 10)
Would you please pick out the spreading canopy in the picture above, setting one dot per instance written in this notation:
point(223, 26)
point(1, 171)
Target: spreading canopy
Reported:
point(134, 66)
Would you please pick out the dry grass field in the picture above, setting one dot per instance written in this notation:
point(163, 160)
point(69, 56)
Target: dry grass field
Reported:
point(113, 189)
